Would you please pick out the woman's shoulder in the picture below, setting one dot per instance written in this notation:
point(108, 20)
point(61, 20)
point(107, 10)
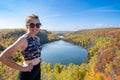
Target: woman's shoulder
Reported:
point(22, 38)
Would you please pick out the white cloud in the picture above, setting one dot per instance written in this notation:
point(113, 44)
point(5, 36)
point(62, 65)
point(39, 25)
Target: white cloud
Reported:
point(104, 9)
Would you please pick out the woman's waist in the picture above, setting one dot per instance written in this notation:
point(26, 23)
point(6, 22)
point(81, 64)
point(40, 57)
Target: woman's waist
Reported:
point(32, 62)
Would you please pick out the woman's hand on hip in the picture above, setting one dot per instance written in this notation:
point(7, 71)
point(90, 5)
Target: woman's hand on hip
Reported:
point(27, 68)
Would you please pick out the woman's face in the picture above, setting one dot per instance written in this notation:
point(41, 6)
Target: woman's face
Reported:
point(33, 26)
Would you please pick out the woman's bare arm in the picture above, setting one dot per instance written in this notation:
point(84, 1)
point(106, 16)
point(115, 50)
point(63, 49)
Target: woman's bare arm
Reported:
point(5, 56)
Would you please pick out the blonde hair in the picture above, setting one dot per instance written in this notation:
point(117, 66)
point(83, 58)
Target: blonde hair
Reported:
point(31, 17)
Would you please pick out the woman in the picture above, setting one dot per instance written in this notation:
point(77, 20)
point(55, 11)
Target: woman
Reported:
point(30, 47)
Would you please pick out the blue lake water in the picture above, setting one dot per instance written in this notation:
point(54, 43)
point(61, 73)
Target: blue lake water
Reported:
point(63, 52)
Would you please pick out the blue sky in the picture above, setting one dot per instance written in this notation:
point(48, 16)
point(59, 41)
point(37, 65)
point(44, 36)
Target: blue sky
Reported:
point(64, 15)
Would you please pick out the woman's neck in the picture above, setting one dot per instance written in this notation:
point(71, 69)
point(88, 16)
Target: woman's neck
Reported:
point(30, 35)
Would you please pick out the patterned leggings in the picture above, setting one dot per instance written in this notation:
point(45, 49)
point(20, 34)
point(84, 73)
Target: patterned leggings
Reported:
point(35, 74)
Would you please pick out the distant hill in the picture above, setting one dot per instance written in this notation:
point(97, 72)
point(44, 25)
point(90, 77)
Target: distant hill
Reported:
point(103, 47)
point(61, 32)
point(8, 36)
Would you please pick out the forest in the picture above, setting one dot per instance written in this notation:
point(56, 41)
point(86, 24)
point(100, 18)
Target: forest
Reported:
point(103, 63)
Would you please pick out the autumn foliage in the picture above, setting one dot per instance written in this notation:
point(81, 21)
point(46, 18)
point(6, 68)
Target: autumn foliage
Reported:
point(103, 46)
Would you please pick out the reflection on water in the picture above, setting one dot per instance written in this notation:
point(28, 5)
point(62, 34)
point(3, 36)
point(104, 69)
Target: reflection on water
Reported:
point(63, 52)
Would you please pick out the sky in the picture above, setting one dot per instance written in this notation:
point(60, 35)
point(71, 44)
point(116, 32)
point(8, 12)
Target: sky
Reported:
point(61, 15)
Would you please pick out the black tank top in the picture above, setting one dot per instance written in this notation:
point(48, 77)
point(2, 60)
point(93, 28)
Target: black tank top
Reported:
point(33, 49)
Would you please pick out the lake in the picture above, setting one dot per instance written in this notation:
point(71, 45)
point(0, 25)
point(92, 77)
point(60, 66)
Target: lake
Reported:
point(63, 52)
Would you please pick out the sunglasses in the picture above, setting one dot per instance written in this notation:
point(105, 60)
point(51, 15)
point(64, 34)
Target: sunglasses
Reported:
point(32, 25)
